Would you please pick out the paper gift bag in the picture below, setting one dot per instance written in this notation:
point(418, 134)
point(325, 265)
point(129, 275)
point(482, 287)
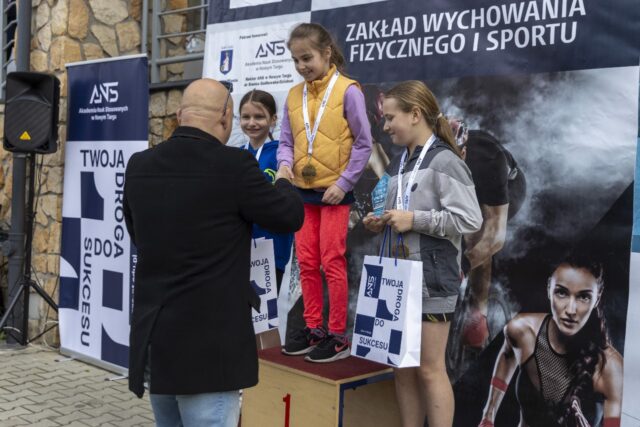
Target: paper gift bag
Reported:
point(388, 323)
point(290, 293)
point(263, 282)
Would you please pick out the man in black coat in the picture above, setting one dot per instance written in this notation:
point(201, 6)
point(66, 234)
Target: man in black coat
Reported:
point(189, 207)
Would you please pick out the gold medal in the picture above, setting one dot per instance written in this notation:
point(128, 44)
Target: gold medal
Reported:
point(308, 173)
point(400, 251)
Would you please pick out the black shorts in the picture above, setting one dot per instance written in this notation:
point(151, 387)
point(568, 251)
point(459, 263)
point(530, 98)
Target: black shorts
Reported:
point(437, 317)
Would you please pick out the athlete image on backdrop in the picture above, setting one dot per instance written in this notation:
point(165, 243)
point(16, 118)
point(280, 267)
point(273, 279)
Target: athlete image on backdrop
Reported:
point(542, 197)
point(501, 190)
point(568, 373)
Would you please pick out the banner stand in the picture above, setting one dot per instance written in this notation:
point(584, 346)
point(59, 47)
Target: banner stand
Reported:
point(95, 362)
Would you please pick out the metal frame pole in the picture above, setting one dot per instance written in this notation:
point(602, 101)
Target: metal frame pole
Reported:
point(155, 42)
point(26, 277)
point(203, 21)
point(145, 26)
point(3, 59)
point(16, 235)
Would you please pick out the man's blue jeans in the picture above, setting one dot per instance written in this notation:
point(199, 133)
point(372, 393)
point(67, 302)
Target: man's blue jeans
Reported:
point(196, 410)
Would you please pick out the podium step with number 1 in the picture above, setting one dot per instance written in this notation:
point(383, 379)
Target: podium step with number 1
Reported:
point(292, 392)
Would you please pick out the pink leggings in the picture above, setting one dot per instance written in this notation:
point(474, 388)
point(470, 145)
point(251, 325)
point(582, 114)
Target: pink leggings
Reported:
point(322, 240)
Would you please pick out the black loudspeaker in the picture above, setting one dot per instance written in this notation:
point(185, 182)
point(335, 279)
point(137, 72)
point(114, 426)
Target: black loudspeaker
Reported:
point(31, 113)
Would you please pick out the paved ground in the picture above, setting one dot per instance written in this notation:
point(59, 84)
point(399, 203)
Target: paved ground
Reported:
point(41, 388)
point(37, 389)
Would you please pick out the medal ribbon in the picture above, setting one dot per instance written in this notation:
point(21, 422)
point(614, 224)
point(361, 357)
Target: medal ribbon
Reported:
point(402, 201)
point(311, 134)
point(246, 147)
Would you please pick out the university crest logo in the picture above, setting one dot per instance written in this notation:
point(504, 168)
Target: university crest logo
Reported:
point(226, 60)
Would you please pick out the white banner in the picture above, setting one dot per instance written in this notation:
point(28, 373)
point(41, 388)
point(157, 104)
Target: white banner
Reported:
point(253, 54)
point(263, 281)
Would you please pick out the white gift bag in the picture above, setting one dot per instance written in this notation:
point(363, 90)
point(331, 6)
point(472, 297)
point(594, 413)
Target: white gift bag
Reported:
point(290, 292)
point(388, 323)
point(263, 281)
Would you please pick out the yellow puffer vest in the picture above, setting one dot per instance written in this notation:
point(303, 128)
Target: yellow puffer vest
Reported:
point(332, 146)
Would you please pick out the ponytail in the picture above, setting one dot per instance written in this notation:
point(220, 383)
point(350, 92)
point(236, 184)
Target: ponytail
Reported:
point(337, 58)
point(442, 129)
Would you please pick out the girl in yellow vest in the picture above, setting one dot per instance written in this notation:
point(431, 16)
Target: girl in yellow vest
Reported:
point(325, 144)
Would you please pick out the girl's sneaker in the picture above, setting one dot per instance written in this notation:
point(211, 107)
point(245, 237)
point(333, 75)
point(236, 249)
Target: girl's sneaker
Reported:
point(303, 341)
point(332, 348)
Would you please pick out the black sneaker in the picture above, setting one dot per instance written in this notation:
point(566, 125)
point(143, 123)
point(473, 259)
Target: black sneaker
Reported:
point(332, 348)
point(303, 341)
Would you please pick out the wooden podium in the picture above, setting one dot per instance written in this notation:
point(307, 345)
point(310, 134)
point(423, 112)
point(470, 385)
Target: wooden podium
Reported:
point(294, 393)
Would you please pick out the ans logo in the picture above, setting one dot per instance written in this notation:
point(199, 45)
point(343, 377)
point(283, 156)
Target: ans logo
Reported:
point(104, 92)
point(275, 48)
point(373, 281)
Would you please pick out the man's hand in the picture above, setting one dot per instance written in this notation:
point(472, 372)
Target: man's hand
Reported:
point(373, 223)
point(333, 195)
point(400, 221)
point(284, 172)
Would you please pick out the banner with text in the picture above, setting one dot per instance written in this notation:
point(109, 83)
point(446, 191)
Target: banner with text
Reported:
point(262, 281)
point(108, 122)
point(548, 91)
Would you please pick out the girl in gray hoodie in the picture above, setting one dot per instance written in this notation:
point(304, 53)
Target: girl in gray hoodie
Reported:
point(431, 203)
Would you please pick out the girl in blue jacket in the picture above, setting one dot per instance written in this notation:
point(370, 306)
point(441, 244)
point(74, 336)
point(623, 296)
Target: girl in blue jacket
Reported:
point(257, 120)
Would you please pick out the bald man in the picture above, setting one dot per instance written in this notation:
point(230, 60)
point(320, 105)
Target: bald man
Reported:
point(189, 207)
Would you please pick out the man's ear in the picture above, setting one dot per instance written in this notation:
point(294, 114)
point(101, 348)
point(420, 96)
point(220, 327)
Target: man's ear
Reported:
point(226, 121)
point(179, 115)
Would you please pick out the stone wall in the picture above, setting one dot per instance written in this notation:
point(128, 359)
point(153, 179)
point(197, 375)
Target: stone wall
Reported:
point(64, 31)
point(162, 114)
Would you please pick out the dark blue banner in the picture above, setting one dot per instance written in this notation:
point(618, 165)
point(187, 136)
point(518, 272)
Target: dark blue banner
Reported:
point(396, 40)
point(101, 104)
point(108, 123)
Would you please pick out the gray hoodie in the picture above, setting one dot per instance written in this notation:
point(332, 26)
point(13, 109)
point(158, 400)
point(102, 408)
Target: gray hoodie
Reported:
point(444, 203)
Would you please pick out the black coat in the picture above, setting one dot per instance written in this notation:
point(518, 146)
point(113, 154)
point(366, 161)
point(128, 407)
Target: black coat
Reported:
point(189, 207)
